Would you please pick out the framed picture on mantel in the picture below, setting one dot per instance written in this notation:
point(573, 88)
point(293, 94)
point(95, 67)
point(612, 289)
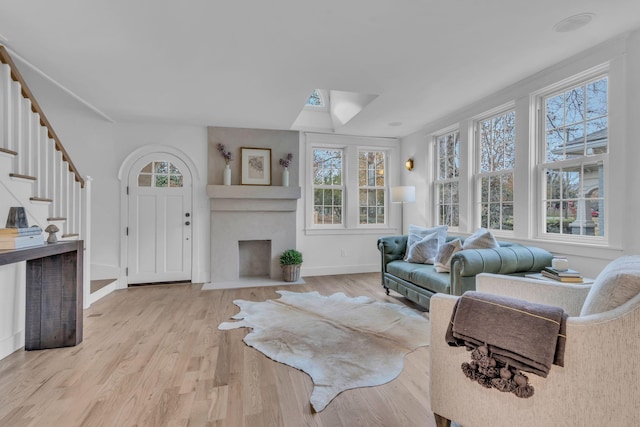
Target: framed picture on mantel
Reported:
point(255, 166)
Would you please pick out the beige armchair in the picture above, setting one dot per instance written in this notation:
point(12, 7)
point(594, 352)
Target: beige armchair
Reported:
point(599, 384)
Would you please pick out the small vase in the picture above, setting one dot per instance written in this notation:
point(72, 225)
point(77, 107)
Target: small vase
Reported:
point(227, 175)
point(285, 177)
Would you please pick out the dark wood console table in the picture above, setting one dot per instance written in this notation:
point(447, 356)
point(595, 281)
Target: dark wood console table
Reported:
point(54, 293)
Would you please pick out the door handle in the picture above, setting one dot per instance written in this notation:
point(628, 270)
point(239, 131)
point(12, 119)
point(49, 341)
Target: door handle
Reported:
point(187, 223)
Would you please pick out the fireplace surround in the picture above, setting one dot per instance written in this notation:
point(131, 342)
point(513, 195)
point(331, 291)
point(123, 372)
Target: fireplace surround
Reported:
point(242, 213)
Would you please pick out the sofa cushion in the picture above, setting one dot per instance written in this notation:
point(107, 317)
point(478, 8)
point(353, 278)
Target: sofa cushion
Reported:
point(445, 252)
point(481, 239)
point(615, 285)
point(424, 251)
point(424, 276)
point(417, 233)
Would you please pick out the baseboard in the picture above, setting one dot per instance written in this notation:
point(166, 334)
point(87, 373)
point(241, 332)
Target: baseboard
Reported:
point(102, 292)
point(345, 269)
point(11, 344)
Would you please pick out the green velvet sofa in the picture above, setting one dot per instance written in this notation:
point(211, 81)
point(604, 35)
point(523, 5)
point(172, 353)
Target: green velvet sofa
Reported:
point(418, 282)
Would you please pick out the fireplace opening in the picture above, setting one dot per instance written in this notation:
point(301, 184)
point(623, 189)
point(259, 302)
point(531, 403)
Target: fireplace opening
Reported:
point(254, 258)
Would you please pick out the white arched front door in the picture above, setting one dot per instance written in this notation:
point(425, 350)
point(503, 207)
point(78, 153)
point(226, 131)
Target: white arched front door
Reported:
point(159, 220)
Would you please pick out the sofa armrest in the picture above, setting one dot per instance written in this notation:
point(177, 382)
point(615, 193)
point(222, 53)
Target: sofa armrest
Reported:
point(569, 296)
point(502, 260)
point(391, 248)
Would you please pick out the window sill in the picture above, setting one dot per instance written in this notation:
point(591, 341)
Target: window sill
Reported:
point(351, 231)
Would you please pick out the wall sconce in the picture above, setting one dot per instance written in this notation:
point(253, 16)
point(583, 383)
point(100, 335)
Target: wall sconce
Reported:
point(409, 164)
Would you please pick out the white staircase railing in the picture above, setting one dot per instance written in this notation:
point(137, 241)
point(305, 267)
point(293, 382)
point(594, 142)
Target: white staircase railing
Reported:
point(39, 160)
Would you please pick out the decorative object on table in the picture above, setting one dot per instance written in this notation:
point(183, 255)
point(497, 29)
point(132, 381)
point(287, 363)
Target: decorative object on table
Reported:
point(17, 218)
point(255, 168)
point(290, 261)
point(285, 171)
point(357, 348)
point(18, 238)
point(52, 229)
point(560, 263)
point(228, 156)
point(568, 275)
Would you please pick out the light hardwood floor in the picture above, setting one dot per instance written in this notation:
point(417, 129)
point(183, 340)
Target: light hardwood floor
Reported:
point(153, 356)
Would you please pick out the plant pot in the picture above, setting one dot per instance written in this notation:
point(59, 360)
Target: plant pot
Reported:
point(290, 273)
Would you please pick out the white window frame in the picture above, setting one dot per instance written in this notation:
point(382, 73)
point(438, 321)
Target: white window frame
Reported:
point(479, 175)
point(541, 165)
point(438, 181)
point(351, 146)
point(341, 187)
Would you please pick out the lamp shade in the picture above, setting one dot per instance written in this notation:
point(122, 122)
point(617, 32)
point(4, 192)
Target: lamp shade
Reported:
point(403, 194)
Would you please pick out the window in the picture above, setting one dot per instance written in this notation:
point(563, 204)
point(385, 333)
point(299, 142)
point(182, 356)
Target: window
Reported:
point(497, 160)
point(315, 99)
point(160, 174)
point(327, 186)
point(447, 179)
point(371, 187)
point(574, 146)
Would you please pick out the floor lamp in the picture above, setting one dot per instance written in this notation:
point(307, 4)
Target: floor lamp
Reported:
point(403, 194)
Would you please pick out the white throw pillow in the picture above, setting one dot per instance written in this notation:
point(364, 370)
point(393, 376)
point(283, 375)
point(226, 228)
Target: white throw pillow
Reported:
point(481, 239)
point(417, 233)
point(615, 285)
point(445, 252)
point(424, 251)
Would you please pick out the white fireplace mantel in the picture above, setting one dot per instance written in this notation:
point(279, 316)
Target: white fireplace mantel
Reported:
point(253, 198)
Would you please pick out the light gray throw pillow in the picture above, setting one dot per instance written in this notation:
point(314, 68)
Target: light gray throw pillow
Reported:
point(417, 233)
point(424, 251)
point(615, 285)
point(445, 252)
point(481, 239)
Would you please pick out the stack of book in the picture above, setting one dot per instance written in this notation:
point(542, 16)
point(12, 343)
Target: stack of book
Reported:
point(569, 276)
point(18, 238)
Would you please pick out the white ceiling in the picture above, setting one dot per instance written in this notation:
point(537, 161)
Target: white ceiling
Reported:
point(253, 63)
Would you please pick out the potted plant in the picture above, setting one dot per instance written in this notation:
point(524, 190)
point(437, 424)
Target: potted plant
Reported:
point(290, 261)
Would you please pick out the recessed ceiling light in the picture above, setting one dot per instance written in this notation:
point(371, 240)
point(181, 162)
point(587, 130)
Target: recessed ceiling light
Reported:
point(572, 23)
point(395, 124)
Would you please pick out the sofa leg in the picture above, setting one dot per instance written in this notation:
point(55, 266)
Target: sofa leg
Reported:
point(442, 421)
point(386, 290)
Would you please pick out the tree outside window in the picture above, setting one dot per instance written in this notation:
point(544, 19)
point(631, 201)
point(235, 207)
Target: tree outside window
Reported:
point(371, 187)
point(447, 179)
point(497, 161)
point(327, 186)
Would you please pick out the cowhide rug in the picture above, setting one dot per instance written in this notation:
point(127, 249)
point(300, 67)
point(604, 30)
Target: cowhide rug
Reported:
point(341, 342)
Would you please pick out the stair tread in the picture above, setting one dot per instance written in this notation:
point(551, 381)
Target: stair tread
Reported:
point(40, 199)
point(57, 218)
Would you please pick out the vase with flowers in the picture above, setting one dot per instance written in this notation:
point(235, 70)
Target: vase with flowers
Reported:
point(285, 171)
point(227, 158)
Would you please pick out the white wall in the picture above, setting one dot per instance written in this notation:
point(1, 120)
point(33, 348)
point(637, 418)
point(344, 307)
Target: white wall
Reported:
point(98, 148)
point(623, 176)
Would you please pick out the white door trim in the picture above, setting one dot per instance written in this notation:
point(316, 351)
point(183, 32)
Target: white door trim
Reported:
point(123, 177)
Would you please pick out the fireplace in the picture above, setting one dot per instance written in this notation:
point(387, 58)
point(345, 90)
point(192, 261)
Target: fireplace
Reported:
point(250, 227)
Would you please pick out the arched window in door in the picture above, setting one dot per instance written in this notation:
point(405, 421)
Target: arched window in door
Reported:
point(160, 174)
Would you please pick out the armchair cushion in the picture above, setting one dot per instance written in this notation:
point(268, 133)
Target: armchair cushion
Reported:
point(616, 284)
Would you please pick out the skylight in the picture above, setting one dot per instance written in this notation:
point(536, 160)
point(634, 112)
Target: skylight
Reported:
point(315, 100)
